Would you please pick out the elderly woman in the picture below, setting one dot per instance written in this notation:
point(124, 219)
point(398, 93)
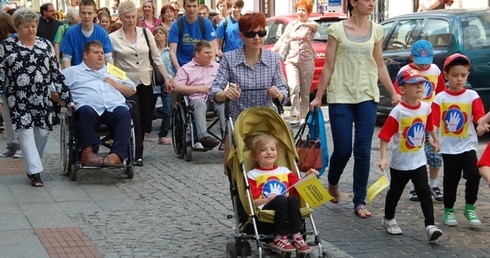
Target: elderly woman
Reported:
point(149, 20)
point(71, 19)
point(161, 35)
point(131, 54)
point(255, 73)
point(299, 59)
point(28, 68)
point(167, 15)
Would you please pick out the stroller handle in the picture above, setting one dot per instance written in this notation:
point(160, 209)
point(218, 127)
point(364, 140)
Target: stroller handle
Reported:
point(275, 101)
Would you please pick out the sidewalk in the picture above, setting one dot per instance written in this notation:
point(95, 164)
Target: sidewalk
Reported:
point(174, 208)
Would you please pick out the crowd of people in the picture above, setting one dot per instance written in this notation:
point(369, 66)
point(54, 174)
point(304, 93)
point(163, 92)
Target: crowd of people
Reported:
point(46, 64)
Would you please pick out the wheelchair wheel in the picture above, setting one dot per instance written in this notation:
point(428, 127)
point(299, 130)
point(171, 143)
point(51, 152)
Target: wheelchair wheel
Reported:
point(130, 172)
point(66, 150)
point(73, 172)
point(178, 131)
point(188, 152)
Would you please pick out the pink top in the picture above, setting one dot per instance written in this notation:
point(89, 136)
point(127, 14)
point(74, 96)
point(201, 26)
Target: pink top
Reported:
point(194, 74)
point(300, 43)
point(156, 22)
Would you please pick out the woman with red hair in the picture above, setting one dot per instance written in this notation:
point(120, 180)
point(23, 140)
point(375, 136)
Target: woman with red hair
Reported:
point(299, 59)
point(167, 15)
point(249, 68)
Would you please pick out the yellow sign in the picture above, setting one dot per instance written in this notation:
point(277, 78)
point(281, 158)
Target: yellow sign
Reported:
point(113, 70)
point(312, 191)
point(377, 187)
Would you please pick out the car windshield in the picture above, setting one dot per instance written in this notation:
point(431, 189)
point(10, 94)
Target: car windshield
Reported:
point(321, 34)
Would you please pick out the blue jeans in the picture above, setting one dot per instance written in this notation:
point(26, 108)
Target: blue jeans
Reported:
point(343, 117)
point(166, 112)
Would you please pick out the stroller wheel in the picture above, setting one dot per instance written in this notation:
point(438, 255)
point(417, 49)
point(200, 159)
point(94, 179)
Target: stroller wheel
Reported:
point(231, 250)
point(246, 249)
point(307, 255)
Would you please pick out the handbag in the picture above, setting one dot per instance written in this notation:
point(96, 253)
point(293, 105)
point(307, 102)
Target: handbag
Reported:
point(284, 50)
point(309, 150)
point(157, 77)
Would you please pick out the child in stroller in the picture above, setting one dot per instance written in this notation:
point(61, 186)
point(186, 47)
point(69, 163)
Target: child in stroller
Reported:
point(269, 185)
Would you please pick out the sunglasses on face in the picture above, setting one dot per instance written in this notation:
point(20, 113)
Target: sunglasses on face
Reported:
point(252, 34)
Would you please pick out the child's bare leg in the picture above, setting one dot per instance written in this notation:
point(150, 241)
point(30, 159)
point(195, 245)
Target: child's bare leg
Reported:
point(485, 173)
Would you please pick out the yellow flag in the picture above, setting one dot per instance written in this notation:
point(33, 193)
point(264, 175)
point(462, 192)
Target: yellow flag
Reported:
point(377, 187)
point(112, 69)
point(312, 191)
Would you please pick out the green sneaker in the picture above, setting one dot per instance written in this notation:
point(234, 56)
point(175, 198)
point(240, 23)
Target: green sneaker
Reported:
point(470, 214)
point(449, 218)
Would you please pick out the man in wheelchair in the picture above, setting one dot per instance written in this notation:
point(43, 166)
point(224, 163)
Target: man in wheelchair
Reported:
point(99, 97)
point(195, 79)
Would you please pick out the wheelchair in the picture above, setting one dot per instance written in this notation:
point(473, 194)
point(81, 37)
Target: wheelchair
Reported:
point(71, 153)
point(183, 131)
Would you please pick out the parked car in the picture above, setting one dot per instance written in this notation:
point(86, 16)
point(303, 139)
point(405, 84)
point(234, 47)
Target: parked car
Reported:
point(276, 25)
point(450, 31)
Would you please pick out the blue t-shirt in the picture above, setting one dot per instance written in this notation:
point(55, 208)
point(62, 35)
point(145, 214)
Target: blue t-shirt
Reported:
point(74, 41)
point(232, 39)
point(190, 36)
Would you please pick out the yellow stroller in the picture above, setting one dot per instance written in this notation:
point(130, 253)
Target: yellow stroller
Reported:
point(252, 223)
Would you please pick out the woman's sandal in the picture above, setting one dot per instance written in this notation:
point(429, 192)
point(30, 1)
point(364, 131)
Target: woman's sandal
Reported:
point(36, 180)
point(28, 175)
point(362, 212)
point(333, 190)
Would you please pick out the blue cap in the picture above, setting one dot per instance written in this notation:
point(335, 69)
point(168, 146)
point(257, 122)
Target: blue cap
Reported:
point(422, 52)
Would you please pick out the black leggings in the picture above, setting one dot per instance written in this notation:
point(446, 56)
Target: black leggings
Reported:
point(399, 179)
point(453, 165)
point(287, 218)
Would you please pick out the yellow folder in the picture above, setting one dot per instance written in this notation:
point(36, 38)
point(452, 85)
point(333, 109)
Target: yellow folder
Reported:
point(312, 191)
point(377, 187)
point(114, 70)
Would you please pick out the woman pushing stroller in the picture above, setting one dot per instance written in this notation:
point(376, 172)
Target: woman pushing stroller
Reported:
point(270, 186)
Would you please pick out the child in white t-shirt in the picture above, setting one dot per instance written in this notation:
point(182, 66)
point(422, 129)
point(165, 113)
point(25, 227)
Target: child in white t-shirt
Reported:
point(404, 132)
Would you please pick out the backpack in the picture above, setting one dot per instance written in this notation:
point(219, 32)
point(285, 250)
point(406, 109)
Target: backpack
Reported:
point(180, 23)
point(225, 24)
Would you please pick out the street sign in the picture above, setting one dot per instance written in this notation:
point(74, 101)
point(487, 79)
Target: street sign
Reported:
point(334, 2)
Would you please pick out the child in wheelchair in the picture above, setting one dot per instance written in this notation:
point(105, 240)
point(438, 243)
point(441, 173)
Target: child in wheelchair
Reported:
point(195, 79)
point(269, 185)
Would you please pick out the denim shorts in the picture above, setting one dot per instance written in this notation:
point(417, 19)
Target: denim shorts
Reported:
point(433, 159)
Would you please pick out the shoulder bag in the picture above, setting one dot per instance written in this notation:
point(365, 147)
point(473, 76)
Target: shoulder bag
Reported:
point(157, 79)
point(284, 48)
point(309, 149)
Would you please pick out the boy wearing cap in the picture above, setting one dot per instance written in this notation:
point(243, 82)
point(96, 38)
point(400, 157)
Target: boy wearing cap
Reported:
point(455, 111)
point(404, 132)
point(422, 55)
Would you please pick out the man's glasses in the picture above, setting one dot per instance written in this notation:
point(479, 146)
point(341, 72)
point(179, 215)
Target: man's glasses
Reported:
point(252, 34)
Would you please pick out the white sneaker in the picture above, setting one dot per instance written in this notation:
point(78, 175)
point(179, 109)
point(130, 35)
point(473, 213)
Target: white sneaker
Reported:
point(391, 226)
point(18, 154)
point(198, 145)
point(433, 233)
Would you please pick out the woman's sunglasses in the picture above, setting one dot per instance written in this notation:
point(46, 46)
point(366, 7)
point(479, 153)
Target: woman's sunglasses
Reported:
point(252, 34)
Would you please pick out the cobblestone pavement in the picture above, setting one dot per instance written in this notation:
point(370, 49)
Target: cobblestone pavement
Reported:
point(174, 208)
